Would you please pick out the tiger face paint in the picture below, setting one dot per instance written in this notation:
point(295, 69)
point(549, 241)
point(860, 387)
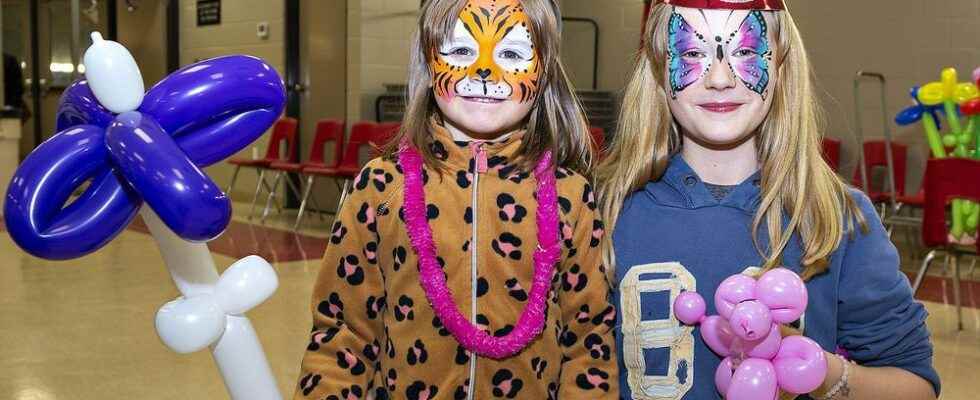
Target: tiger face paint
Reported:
point(485, 75)
point(490, 55)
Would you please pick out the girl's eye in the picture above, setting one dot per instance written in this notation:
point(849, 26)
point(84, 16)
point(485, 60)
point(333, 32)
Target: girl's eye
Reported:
point(461, 51)
point(693, 54)
point(510, 55)
point(744, 53)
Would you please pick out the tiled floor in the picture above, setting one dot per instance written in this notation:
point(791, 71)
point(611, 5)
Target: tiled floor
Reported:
point(83, 329)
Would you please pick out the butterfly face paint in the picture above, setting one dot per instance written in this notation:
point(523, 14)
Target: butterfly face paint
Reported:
point(692, 53)
point(686, 65)
point(490, 56)
point(751, 55)
point(720, 73)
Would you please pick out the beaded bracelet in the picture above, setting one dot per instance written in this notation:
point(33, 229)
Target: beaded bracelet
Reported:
point(840, 390)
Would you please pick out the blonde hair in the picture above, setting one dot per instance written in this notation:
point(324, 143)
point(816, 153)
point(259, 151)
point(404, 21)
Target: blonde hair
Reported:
point(556, 121)
point(796, 181)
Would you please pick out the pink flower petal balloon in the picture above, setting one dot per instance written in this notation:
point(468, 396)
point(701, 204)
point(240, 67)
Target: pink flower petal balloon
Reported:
point(733, 290)
point(689, 308)
point(723, 375)
point(800, 365)
point(754, 379)
point(766, 347)
point(784, 293)
point(751, 320)
point(718, 335)
point(758, 361)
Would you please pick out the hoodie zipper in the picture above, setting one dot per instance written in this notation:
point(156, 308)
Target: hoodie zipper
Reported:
point(480, 167)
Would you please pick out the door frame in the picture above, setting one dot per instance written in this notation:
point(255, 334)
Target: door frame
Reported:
point(294, 87)
point(37, 111)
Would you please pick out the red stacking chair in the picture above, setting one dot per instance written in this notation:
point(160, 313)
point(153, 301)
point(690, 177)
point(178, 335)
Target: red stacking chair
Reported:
point(831, 153)
point(361, 135)
point(875, 156)
point(383, 134)
point(330, 130)
point(283, 131)
point(945, 180)
point(598, 136)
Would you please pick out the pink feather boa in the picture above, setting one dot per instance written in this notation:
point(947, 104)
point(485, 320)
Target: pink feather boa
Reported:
point(433, 281)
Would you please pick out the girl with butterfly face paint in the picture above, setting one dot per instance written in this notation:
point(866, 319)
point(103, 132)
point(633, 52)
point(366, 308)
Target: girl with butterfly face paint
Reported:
point(465, 263)
point(719, 67)
point(716, 170)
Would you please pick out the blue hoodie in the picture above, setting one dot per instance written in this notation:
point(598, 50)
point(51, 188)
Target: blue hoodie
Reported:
point(673, 235)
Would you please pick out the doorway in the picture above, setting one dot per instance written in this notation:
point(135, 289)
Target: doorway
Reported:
point(46, 39)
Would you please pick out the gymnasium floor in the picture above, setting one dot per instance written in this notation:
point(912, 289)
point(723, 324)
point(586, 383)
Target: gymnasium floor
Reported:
point(83, 329)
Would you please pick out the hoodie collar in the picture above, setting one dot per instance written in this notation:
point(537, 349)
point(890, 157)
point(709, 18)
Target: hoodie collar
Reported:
point(475, 155)
point(681, 187)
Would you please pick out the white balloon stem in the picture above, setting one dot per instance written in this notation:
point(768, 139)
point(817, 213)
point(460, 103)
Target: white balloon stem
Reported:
point(238, 353)
point(96, 37)
point(190, 264)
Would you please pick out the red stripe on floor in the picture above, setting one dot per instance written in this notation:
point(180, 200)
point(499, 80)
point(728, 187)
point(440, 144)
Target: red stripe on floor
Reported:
point(940, 290)
point(275, 245)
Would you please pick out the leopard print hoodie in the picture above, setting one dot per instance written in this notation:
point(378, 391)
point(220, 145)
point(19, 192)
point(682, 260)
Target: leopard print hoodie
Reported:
point(376, 336)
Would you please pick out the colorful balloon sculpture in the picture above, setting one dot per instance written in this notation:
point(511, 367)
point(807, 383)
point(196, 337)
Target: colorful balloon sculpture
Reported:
point(957, 99)
point(758, 361)
point(131, 147)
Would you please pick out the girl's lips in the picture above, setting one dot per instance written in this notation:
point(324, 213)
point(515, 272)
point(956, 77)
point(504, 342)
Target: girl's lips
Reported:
point(720, 107)
point(484, 100)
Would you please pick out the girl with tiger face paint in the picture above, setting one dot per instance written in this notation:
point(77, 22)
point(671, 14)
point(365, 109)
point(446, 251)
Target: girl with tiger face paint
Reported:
point(465, 262)
point(485, 75)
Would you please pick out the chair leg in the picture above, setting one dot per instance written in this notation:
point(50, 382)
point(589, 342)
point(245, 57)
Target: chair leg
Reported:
point(234, 177)
point(302, 204)
point(292, 186)
point(956, 292)
point(343, 195)
point(909, 240)
point(922, 271)
point(275, 200)
point(258, 188)
point(946, 266)
point(296, 191)
point(272, 195)
point(341, 190)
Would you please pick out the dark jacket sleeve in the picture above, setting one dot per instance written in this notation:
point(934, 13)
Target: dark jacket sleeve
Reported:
point(879, 322)
point(589, 367)
point(345, 342)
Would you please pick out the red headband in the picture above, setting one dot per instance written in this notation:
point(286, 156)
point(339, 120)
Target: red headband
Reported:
point(767, 5)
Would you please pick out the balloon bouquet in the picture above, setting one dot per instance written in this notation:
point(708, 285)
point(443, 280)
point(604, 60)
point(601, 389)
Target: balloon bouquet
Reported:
point(956, 99)
point(131, 148)
point(758, 360)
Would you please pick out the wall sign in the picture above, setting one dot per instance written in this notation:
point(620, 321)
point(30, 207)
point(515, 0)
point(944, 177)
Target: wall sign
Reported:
point(208, 12)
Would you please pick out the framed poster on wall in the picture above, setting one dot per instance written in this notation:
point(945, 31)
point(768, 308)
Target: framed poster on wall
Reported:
point(208, 12)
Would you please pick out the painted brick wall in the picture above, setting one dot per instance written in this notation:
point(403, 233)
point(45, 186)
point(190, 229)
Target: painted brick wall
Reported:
point(235, 35)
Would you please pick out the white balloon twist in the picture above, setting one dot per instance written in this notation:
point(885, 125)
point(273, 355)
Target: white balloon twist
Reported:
point(190, 324)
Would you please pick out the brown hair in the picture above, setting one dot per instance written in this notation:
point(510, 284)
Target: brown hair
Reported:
point(556, 121)
point(796, 182)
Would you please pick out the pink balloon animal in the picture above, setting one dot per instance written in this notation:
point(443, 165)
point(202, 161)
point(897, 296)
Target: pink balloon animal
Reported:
point(758, 360)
